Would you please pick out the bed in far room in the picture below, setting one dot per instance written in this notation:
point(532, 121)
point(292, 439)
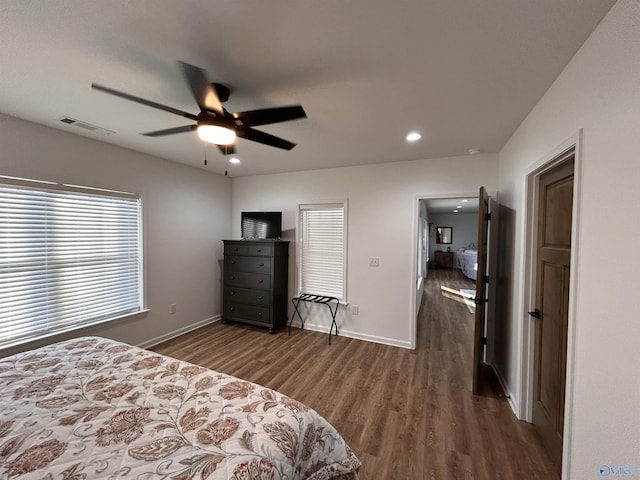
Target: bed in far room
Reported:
point(95, 408)
point(467, 260)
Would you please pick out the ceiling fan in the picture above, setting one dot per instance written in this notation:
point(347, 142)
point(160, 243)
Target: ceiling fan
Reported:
point(214, 123)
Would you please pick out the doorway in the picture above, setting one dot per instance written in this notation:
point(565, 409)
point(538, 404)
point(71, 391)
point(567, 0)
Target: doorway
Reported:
point(446, 236)
point(550, 252)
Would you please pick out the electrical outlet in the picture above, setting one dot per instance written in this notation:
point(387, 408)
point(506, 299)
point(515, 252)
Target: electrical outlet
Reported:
point(173, 308)
point(374, 261)
point(355, 309)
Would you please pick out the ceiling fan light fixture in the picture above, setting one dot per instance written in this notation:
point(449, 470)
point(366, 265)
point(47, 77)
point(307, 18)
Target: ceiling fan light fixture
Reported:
point(216, 134)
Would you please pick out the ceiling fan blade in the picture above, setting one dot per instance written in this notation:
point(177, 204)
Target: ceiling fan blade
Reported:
point(227, 149)
point(148, 103)
point(202, 90)
point(266, 116)
point(170, 131)
point(265, 138)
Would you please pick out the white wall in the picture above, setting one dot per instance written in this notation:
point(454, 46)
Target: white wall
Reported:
point(599, 91)
point(186, 213)
point(383, 219)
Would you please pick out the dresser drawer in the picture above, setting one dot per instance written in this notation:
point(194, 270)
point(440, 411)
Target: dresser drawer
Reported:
point(252, 313)
point(246, 295)
point(256, 249)
point(235, 263)
point(235, 249)
point(247, 280)
point(260, 250)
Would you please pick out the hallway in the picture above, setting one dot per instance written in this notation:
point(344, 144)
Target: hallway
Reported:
point(475, 436)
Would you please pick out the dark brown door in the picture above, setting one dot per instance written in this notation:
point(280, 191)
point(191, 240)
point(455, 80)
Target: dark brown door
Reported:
point(555, 202)
point(479, 329)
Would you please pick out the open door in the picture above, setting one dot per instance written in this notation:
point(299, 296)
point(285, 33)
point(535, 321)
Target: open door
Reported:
point(481, 281)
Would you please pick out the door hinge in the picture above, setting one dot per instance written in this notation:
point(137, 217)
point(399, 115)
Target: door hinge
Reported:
point(479, 301)
point(484, 340)
point(487, 216)
point(535, 313)
point(486, 279)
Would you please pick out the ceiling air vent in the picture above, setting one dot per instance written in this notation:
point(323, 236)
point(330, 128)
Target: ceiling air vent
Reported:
point(85, 126)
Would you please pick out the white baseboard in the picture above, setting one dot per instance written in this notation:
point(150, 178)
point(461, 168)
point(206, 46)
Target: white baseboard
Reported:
point(512, 401)
point(181, 331)
point(358, 336)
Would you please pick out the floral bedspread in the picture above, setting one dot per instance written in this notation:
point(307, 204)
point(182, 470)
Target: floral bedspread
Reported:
point(94, 408)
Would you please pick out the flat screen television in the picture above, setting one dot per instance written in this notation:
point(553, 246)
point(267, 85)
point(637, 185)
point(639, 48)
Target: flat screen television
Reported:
point(261, 225)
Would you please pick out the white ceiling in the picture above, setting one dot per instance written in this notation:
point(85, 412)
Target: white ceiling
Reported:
point(464, 73)
point(448, 205)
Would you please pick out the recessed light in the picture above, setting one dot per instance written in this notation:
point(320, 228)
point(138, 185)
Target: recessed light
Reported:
point(465, 200)
point(459, 206)
point(455, 211)
point(474, 151)
point(234, 160)
point(413, 137)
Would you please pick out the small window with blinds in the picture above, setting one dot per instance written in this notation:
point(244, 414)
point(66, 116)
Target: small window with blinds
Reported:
point(69, 257)
point(322, 249)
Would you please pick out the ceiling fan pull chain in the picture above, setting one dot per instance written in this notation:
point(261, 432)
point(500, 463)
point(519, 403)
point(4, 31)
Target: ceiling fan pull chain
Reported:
point(226, 165)
point(205, 155)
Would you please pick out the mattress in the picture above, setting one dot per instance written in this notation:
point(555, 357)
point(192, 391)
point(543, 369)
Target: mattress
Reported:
point(468, 262)
point(95, 408)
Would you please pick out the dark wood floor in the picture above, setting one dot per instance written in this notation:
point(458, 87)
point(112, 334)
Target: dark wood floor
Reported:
point(406, 414)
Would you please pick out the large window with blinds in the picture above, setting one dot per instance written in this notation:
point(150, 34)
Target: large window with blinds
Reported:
point(322, 249)
point(69, 257)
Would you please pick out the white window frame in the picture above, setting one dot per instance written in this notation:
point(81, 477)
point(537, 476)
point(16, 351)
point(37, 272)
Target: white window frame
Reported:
point(310, 205)
point(76, 200)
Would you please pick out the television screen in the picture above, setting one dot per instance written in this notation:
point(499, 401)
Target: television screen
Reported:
point(261, 225)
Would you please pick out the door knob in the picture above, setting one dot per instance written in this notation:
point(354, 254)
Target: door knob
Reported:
point(535, 313)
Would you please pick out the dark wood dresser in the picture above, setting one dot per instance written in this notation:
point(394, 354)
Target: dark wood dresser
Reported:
point(442, 259)
point(255, 282)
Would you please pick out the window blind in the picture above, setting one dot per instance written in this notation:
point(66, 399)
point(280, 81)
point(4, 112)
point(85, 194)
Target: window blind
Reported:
point(67, 259)
point(322, 249)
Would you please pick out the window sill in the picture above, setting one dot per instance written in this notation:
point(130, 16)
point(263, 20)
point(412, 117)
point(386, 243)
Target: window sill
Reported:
point(22, 345)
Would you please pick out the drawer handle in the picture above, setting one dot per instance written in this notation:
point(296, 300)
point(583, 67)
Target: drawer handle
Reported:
point(259, 250)
point(261, 297)
point(259, 314)
point(236, 249)
point(261, 281)
point(262, 264)
point(232, 309)
point(233, 294)
point(233, 262)
point(232, 277)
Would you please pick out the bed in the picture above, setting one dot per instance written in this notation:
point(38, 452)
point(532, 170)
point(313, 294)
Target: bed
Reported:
point(95, 408)
point(467, 261)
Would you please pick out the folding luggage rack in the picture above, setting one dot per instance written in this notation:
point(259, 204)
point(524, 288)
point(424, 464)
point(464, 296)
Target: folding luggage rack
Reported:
point(322, 299)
